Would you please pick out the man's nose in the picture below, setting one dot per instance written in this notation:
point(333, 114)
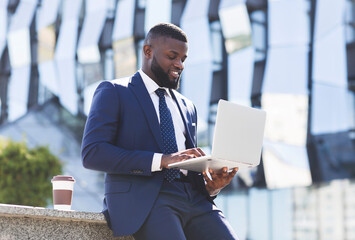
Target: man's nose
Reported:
point(179, 64)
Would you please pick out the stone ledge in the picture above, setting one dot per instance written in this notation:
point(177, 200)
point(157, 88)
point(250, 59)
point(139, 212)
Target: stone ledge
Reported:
point(27, 211)
point(24, 222)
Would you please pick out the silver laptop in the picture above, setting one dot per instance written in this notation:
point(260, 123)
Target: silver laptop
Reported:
point(237, 141)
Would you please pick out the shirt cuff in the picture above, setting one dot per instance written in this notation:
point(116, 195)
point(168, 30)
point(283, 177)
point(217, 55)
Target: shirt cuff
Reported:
point(213, 195)
point(156, 162)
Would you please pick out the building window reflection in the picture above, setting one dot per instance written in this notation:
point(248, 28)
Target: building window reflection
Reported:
point(350, 21)
point(139, 49)
point(236, 27)
point(217, 45)
point(46, 43)
point(258, 24)
point(141, 3)
point(124, 57)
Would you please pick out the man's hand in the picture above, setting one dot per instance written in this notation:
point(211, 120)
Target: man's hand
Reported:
point(219, 180)
point(180, 156)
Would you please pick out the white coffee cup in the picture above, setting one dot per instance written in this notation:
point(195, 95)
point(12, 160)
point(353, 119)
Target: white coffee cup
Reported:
point(63, 187)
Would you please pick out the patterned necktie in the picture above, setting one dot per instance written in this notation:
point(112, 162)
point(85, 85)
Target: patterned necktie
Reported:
point(167, 133)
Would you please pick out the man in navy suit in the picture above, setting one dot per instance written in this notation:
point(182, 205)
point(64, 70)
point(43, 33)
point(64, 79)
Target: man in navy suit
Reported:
point(126, 137)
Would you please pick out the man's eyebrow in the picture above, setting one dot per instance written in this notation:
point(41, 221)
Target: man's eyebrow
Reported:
point(173, 51)
point(176, 53)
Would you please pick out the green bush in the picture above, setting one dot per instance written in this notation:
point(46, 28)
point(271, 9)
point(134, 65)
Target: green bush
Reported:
point(25, 174)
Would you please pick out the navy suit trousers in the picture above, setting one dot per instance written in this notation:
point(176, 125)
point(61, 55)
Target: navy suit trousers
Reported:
point(180, 212)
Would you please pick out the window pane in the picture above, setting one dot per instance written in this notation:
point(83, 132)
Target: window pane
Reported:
point(191, 6)
point(67, 39)
point(72, 9)
point(285, 165)
point(46, 43)
point(93, 72)
point(236, 27)
point(237, 213)
point(48, 76)
point(67, 85)
point(259, 214)
point(139, 50)
point(109, 65)
point(288, 22)
point(47, 13)
point(66, 45)
point(282, 214)
point(330, 109)
point(350, 21)
point(216, 44)
point(324, 23)
point(18, 38)
point(124, 57)
point(3, 26)
point(89, 54)
point(23, 16)
point(330, 58)
point(198, 77)
point(19, 47)
point(198, 33)
point(286, 70)
point(157, 11)
point(123, 27)
point(287, 116)
point(88, 51)
point(240, 75)
point(198, 66)
point(46, 17)
point(259, 39)
point(285, 99)
point(18, 92)
point(258, 16)
point(141, 3)
point(88, 94)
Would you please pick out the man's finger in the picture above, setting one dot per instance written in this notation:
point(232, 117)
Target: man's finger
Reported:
point(234, 171)
point(225, 172)
point(214, 175)
point(194, 152)
point(207, 179)
point(232, 174)
point(185, 157)
point(200, 151)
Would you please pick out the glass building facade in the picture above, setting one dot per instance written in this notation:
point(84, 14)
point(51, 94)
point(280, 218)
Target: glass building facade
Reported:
point(293, 58)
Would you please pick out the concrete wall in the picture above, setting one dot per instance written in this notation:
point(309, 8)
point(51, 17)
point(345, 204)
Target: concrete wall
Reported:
point(22, 222)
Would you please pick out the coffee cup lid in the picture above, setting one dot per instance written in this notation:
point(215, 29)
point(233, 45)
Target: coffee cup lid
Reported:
point(63, 178)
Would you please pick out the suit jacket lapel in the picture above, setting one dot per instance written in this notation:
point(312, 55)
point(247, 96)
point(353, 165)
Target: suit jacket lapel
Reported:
point(142, 95)
point(186, 117)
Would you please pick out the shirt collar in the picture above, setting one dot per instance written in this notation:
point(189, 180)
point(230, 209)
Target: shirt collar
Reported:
point(150, 84)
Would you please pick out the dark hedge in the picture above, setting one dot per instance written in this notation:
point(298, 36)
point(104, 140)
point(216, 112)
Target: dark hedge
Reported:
point(25, 174)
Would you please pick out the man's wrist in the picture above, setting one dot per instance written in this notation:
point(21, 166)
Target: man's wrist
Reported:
point(164, 161)
point(212, 192)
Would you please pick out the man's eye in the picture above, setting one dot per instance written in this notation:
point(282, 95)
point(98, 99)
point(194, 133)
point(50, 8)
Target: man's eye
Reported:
point(171, 57)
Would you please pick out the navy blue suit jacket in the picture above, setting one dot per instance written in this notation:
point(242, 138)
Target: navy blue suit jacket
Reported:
point(121, 135)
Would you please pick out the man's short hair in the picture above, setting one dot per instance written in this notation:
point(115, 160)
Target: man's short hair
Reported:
point(166, 30)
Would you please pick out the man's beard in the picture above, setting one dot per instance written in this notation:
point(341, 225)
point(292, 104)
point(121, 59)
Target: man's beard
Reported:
point(162, 77)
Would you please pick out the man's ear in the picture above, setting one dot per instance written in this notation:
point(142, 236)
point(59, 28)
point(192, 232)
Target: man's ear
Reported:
point(147, 50)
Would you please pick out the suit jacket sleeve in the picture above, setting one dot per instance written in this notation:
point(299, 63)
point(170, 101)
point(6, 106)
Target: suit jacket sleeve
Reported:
point(99, 151)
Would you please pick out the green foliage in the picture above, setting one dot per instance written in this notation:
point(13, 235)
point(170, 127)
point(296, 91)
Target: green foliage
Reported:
point(25, 174)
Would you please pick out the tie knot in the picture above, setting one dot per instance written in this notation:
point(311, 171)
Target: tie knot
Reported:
point(160, 92)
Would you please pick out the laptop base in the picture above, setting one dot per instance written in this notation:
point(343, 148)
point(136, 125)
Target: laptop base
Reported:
point(204, 163)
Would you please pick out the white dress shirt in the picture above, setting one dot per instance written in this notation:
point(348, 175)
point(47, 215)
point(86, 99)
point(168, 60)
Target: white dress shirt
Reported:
point(175, 114)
